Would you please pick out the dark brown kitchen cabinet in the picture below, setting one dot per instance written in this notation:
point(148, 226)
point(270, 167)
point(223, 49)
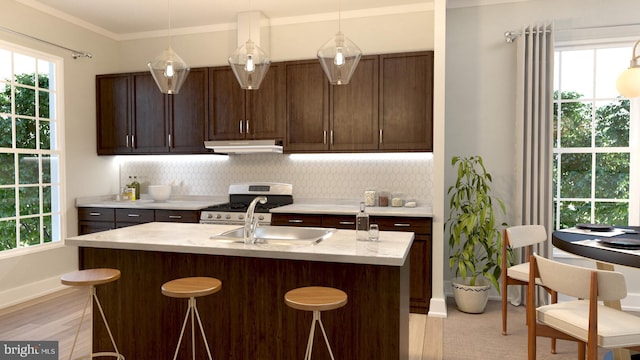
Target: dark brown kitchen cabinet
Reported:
point(113, 113)
point(134, 117)
point(406, 101)
point(353, 120)
point(246, 114)
point(307, 95)
point(94, 219)
point(419, 255)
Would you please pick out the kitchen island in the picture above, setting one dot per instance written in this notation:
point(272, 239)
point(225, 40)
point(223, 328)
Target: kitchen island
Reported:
point(248, 319)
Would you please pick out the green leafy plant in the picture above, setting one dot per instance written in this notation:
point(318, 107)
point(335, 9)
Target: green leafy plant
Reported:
point(474, 233)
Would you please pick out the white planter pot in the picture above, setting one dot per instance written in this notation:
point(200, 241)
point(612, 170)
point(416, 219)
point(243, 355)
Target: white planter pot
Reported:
point(471, 299)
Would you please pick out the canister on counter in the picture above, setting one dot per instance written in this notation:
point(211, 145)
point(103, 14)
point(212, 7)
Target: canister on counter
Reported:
point(370, 198)
point(397, 199)
point(383, 198)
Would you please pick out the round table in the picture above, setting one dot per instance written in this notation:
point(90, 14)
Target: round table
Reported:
point(565, 241)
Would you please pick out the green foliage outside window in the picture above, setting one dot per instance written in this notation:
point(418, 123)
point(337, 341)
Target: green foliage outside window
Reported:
point(607, 173)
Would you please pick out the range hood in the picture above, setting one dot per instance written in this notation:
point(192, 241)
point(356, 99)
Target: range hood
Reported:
point(245, 146)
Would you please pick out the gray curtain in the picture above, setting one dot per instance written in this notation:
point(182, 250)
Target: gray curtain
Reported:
point(534, 132)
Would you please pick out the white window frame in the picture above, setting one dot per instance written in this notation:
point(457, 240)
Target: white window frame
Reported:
point(58, 204)
point(634, 129)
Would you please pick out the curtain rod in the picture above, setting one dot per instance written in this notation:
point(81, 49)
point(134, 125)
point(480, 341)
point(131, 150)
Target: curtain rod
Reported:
point(510, 36)
point(74, 53)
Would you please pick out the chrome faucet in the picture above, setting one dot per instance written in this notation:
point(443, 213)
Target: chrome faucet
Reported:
point(250, 222)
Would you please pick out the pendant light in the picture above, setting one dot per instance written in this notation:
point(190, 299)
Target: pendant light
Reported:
point(628, 83)
point(339, 57)
point(168, 69)
point(249, 62)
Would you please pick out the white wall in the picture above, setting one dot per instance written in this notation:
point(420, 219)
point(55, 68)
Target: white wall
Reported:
point(25, 276)
point(480, 75)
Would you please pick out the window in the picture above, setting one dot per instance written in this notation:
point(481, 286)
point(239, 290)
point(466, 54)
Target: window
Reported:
point(593, 156)
point(30, 154)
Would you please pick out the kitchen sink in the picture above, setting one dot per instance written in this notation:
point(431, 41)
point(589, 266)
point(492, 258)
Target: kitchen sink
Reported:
point(278, 235)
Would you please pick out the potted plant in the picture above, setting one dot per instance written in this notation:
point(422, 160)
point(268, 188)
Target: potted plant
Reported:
point(474, 234)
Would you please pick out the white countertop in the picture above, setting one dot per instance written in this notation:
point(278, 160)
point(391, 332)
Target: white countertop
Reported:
point(171, 204)
point(351, 209)
point(392, 249)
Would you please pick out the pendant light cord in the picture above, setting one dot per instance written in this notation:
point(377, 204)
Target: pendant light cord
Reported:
point(339, 15)
point(169, 21)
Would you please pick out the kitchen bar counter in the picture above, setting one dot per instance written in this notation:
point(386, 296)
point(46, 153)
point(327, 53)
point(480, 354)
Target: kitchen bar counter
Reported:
point(186, 203)
point(248, 318)
point(341, 247)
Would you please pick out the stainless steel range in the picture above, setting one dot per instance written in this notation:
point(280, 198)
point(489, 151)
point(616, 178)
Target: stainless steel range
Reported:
point(240, 196)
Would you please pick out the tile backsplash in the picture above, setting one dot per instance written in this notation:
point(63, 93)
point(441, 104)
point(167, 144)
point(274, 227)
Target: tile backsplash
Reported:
point(317, 176)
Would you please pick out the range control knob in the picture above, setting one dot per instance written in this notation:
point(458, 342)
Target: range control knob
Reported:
point(227, 217)
point(260, 217)
point(218, 216)
point(209, 215)
point(241, 217)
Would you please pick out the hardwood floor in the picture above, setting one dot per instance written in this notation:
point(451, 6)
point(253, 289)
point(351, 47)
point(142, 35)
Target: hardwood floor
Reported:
point(56, 318)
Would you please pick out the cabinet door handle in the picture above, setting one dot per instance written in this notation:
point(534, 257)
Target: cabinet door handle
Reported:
point(331, 137)
point(175, 216)
point(247, 127)
point(241, 129)
point(324, 137)
point(401, 225)
point(133, 141)
point(347, 222)
point(170, 144)
point(296, 221)
point(380, 136)
point(133, 215)
point(127, 137)
point(95, 214)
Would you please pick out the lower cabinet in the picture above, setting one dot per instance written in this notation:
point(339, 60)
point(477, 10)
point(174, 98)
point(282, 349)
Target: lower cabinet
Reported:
point(94, 219)
point(420, 254)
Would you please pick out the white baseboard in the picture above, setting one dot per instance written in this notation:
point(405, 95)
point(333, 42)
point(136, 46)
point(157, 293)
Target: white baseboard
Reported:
point(15, 296)
point(438, 307)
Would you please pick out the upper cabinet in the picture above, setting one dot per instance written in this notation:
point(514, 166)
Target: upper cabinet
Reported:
point(387, 106)
point(134, 117)
point(406, 101)
point(246, 114)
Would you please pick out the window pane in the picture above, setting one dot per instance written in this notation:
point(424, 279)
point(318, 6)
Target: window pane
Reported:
point(613, 213)
point(24, 65)
point(25, 133)
point(46, 199)
point(576, 72)
point(8, 235)
point(45, 99)
point(612, 124)
point(6, 137)
point(46, 231)
point(575, 176)
point(610, 62)
point(46, 70)
point(575, 122)
point(45, 135)
point(612, 176)
point(5, 98)
point(7, 203)
point(28, 169)
point(7, 169)
point(25, 101)
point(29, 200)
point(5, 65)
point(30, 231)
point(574, 212)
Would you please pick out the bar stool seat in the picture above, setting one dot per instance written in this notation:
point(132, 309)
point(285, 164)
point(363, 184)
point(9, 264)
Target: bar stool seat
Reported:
point(192, 287)
point(316, 299)
point(92, 278)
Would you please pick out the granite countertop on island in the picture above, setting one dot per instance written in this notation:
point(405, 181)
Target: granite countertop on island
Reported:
point(392, 249)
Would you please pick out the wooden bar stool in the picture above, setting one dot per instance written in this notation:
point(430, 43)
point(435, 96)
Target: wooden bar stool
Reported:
point(91, 278)
point(191, 288)
point(316, 299)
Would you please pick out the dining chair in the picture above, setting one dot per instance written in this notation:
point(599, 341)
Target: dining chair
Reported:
point(584, 320)
point(516, 237)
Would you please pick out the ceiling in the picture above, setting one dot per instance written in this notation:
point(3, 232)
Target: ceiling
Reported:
point(127, 19)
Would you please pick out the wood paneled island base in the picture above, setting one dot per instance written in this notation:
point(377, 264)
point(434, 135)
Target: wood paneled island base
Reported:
point(248, 318)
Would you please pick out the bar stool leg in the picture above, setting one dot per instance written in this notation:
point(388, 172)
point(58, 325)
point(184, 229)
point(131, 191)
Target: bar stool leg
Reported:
point(324, 333)
point(90, 300)
point(316, 319)
point(191, 310)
